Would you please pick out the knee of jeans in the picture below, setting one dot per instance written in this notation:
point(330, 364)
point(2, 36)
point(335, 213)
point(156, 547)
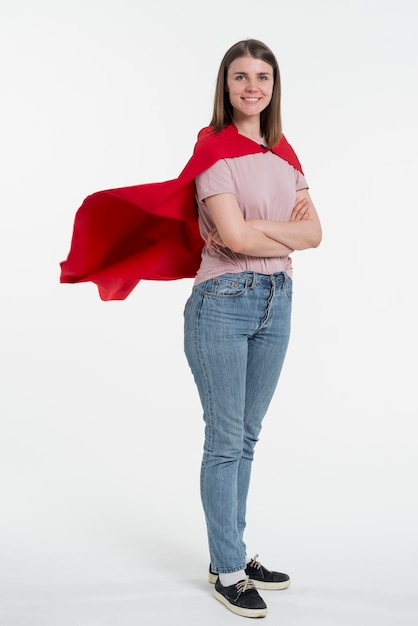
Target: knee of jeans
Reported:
point(248, 455)
point(248, 449)
point(223, 454)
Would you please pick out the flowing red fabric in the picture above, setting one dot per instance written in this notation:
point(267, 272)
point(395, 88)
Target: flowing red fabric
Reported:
point(150, 231)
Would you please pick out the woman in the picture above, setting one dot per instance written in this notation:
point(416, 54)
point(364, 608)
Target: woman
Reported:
point(254, 210)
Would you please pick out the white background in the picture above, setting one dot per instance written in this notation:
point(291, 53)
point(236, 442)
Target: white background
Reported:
point(101, 429)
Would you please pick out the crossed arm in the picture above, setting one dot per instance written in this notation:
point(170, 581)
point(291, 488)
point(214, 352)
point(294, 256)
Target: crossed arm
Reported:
point(265, 238)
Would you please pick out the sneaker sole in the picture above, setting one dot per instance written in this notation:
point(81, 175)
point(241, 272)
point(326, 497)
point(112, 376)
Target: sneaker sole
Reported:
point(260, 584)
point(239, 610)
point(212, 578)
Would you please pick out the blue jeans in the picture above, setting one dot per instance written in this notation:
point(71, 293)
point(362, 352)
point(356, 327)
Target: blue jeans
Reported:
point(236, 334)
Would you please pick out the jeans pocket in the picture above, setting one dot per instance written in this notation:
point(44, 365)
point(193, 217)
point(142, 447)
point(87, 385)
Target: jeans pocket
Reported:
point(288, 286)
point(227, 286)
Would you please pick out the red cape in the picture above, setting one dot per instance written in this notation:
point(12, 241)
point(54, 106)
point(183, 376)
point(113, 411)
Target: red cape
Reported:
point(150, 231)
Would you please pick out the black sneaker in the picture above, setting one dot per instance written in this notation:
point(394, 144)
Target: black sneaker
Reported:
point(260, 575)
point(242, 599)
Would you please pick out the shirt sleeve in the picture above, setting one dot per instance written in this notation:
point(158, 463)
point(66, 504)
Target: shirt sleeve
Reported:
point(215, 180)
point(301, 182)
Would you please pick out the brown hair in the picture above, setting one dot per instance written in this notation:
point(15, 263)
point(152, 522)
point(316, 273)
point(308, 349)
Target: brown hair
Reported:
point(270, 118)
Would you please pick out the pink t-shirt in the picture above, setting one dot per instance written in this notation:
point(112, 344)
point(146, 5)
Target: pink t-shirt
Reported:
point(265, 187)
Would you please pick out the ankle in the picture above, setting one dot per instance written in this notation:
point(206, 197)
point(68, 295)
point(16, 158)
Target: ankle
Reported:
point(232, 578)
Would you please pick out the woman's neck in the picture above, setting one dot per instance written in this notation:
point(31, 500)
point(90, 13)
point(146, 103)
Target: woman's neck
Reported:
point(249, 128)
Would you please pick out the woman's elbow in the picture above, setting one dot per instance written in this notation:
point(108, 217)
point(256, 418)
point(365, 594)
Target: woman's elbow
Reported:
point(316, 238)
point(310, 240)
point(237, 246)
point(236, 242)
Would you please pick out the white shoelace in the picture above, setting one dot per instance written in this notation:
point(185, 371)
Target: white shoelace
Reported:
point(255, 563)
point(244, 585)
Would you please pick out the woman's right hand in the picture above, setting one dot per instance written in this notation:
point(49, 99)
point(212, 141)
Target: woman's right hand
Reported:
point(301, 210)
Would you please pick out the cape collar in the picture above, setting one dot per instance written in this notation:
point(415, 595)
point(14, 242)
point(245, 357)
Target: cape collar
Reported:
point(229, 143)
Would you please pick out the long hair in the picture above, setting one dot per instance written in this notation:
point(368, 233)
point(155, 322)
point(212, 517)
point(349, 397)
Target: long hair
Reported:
point(270, 118)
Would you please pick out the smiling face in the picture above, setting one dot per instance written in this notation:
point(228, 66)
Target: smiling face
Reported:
point(249, 83)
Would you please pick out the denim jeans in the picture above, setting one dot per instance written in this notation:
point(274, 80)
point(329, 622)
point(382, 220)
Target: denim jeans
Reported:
point(236, 334)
